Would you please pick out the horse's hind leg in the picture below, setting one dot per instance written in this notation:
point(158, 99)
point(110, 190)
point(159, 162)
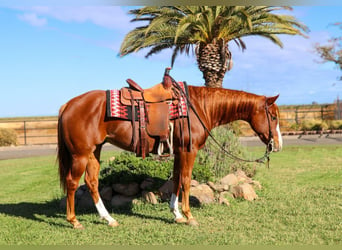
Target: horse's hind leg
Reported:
point(186, 161)
point(91, 179)
point(176, 189)
point(72, 180)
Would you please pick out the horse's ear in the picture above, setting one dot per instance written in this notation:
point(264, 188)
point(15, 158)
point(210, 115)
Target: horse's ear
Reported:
point(271, 100)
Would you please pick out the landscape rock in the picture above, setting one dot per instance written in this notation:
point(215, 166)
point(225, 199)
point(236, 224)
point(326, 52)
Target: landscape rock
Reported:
point(106, 193)
point(80, 191)
point(120, 200)
point(166, 190)
point(256, 185)
point(222, 187)
point(146, 184)
point(149, 197)
point(194, 183)
point(211, 185)
point(85, 201)
point(230, 180)
point(203, 193)
point(245, 191)
point(241, 176)
point(129, 189)
point(237, 185)
point(223, 201)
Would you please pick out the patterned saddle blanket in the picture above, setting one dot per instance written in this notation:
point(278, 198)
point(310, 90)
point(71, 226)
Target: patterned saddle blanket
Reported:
point(116, 109)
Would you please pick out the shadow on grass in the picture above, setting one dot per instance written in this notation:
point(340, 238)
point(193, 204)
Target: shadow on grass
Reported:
point(51, 212)
point(34, 211)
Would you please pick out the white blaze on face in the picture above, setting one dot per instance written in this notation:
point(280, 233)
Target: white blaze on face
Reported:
point(280, 139)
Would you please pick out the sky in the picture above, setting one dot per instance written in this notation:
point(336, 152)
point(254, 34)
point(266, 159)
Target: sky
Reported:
point(50, 54)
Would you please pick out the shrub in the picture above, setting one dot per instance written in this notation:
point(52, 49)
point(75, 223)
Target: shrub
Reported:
point(126, 167)
point(295, 126)
point(8, 137)
point(309, 125)
point(322, 125)
point(335, 124)
point(216, 161)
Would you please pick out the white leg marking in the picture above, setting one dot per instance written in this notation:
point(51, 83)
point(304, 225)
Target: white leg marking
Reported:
point(280, 139)
point(174, 207)
point(103, 212)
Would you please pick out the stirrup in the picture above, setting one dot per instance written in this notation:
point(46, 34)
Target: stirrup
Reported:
point(161, 149)
point(169, 143)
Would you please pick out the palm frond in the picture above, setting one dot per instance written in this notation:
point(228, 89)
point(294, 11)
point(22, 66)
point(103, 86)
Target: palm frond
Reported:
point(181, 27)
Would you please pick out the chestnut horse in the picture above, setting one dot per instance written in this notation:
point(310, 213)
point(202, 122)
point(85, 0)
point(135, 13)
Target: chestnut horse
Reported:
point(83, 128)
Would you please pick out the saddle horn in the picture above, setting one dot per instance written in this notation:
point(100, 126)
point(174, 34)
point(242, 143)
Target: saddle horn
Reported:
point(167, 81)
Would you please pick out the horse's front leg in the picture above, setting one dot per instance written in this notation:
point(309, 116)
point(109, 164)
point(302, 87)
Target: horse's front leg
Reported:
point(184, 162)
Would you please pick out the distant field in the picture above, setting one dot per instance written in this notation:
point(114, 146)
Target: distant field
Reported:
point(300, 204)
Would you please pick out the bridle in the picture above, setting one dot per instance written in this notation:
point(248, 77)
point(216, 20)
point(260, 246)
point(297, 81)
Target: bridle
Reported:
point(269, 147)
point(270, 144)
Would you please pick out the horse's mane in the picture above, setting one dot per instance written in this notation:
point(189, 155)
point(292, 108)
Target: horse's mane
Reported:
point(224, 105)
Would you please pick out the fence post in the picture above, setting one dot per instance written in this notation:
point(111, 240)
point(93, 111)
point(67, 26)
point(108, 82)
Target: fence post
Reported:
point(25, 133)
point(338, 111)
point(322, 113)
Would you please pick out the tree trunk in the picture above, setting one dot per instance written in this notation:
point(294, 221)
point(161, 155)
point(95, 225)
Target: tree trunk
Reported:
point(214, 60)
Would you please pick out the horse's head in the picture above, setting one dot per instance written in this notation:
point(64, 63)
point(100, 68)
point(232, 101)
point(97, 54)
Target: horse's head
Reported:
point(265, 122)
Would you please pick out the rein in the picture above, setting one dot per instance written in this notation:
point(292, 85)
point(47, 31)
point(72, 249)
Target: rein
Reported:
point(269, 146)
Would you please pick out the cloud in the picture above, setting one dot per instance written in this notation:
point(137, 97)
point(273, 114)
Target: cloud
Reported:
point(110, 17)
point(33, 19)
point(293, 71)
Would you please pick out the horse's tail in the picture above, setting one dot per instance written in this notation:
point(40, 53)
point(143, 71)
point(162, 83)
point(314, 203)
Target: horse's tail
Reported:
point(63, 154)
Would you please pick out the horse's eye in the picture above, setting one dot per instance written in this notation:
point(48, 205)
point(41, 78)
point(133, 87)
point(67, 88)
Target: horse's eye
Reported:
point(273, 118)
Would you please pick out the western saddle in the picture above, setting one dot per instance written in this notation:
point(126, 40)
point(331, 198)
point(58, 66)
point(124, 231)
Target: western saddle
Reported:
point(153, 114)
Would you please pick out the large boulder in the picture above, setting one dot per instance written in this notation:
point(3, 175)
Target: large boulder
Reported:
point(230, 180)
point(245, 191)
point(119, 200)
point(85, 200)
point(242, 177)
point(106, 193)
point(202, 193)
point(129, 189)
point(165, 191)
point(149, 197)
point(146, 184)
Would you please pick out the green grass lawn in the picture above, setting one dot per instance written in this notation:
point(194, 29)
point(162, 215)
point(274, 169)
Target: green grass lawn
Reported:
point(300, 204)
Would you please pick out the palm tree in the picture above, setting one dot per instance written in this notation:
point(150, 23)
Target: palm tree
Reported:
point(207, 30)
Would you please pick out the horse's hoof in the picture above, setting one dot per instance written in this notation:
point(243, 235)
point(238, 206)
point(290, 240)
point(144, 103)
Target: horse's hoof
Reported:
point(113, 224)
point(192, 222)
point(78, 226)
point(180, 220)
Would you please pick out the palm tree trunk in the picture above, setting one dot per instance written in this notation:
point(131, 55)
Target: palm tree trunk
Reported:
point(214, 61)
point(213, 79)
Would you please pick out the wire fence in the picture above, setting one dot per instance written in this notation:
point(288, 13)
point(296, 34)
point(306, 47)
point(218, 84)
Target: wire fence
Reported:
point(33, 132)
point(290, 115)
